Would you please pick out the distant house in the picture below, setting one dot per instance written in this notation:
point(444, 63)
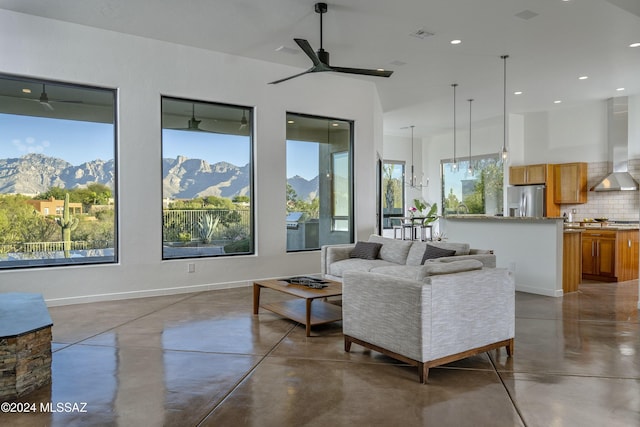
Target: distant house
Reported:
point(54, 207)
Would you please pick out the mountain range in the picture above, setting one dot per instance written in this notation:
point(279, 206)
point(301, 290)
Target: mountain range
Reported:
point(182, 178)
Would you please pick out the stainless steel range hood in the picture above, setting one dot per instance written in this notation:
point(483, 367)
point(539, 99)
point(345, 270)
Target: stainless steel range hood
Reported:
point(618, 143)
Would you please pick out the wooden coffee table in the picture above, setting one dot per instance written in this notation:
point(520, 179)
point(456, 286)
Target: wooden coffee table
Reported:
point(301, 309)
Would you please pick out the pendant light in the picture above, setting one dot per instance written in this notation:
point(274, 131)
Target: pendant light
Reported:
point(454, 165)
point(413, 179)
point(505, 153)
point(470, 168)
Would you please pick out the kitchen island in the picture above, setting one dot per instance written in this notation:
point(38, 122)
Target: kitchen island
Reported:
point(531, 248)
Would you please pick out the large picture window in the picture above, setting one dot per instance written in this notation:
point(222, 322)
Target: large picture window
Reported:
point(473, 187)
point(207, 179)
point(57, 173)
point(319, 182)
point(393, 193)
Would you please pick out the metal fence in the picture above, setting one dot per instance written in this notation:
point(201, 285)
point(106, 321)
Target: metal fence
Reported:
point(31, 247)
point(183, 224)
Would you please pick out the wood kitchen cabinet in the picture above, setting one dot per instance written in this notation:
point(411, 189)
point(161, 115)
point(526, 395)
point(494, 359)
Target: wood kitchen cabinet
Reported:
point(610, 255)
point(570, 183)
point(571, 260)
point(529, 174)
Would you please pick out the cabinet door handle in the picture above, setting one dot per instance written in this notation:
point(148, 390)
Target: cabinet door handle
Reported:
point(629, 242)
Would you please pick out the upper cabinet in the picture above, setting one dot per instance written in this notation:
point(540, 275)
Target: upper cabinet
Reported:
point(530, 174)
point(570, 183)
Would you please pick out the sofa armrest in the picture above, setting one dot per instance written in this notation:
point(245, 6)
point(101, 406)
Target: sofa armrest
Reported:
point(471, 310)
point(334, 253)
point(487, 260)
point(386, 311)
point(444, 315)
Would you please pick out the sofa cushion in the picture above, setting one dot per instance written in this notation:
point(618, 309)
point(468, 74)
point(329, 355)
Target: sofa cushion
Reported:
point(433, 252)
point(357, 264)
point(418, 248)
point(434, 268)
point(419, 272)
point(414, 272)
point(366, 250)
point(392, 250)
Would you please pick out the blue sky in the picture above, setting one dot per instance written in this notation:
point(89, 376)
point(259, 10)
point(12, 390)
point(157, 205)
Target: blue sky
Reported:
point(74, 141)
point(78, 142)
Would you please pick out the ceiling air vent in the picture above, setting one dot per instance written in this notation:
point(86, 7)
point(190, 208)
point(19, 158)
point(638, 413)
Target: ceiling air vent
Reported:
point(421, 34)
point(526, 14)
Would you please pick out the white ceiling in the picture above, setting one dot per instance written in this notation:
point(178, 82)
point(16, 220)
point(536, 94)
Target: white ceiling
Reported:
point(547, 52)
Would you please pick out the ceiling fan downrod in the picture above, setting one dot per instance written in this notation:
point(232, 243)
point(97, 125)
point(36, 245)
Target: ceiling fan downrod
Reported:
point(323, 55)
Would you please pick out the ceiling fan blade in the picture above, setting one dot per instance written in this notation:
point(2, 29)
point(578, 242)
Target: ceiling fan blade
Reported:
point(310, 70)
point(306, 48)
point(46, 105)
point(363, 71)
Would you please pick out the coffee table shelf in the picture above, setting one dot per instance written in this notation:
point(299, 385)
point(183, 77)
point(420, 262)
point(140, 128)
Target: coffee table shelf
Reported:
point(309, 309)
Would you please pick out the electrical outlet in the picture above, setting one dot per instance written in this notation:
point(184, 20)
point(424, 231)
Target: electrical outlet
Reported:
point(191, 268)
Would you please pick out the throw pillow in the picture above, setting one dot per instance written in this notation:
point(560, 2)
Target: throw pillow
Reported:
point(366, 250)
point(433, 252)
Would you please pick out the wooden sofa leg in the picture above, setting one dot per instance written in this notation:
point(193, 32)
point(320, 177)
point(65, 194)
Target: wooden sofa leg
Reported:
point(510, 347)
point(347, 343)
point(423, 372)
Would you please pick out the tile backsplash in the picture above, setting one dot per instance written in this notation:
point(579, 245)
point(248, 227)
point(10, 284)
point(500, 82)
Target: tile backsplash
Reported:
point(615, 205)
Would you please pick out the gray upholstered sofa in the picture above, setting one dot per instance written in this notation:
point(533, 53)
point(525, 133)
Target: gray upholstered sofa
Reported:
point(427, 323)
point(403, 258)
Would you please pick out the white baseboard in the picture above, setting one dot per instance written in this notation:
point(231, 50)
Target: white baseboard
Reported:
point(538, 291)
point(53, 302)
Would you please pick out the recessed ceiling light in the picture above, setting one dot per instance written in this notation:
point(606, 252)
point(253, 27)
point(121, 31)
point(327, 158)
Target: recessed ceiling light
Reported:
point(380, 69)
point(634, 45)
point(518, 92)
point(620, 89)
point(583, 77)
point(557, 101)
point(290, 122)
point(456, 41)
point(25, 90)
point(335, 125)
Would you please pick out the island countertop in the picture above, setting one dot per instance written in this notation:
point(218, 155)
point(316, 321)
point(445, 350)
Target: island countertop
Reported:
point(481, 217)
point(530, 247)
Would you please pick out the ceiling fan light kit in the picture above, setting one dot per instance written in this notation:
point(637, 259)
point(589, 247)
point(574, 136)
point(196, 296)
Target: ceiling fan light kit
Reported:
point(320, 59)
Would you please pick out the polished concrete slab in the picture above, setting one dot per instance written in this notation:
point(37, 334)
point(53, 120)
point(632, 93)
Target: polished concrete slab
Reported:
point(205, 359)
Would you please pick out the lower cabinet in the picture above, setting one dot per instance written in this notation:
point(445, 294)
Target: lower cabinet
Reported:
point(571, 261)
point(610, 255)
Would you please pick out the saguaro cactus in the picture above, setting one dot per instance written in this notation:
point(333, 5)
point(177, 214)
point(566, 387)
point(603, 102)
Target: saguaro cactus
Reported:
point(67, 223)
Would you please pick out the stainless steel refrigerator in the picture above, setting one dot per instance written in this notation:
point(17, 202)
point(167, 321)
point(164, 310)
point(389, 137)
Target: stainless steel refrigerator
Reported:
point(526, 200)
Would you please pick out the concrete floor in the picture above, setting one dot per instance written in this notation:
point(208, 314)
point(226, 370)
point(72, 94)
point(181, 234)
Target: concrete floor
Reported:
point(204, 359)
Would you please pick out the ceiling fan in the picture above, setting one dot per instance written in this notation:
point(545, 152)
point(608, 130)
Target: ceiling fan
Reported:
point(193, 124)
point(321, 59)
point(243, 121)
point(46, 102)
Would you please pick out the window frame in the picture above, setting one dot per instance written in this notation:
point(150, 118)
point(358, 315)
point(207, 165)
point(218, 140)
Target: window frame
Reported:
point(463, 165)
point(251, 179)
point(389, 217)
point(76, 261)
point(351, 185)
